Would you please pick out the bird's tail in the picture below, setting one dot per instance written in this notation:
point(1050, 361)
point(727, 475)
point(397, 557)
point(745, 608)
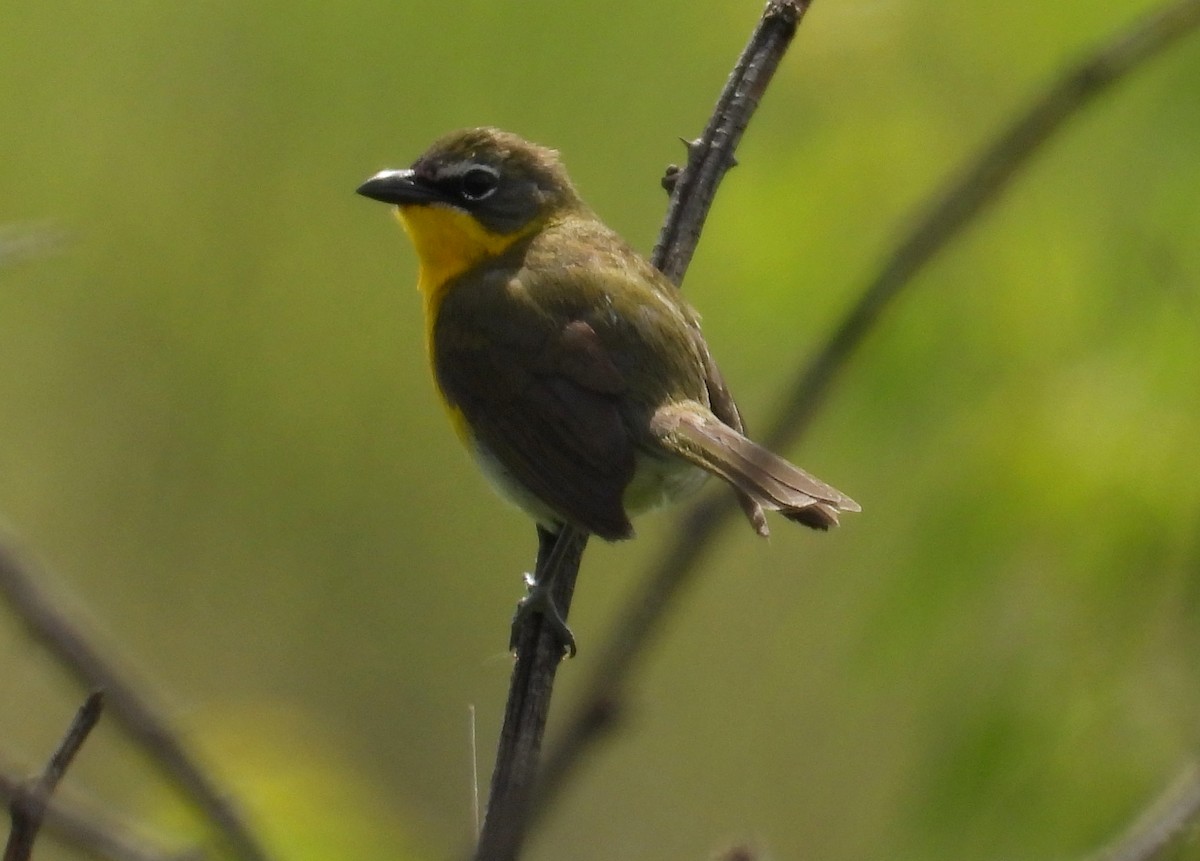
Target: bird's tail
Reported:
point(691, 431)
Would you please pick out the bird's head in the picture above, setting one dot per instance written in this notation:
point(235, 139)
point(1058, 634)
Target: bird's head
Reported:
point(477, 178)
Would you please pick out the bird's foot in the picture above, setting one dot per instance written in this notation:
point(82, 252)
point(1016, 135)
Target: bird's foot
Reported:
point(539, 602)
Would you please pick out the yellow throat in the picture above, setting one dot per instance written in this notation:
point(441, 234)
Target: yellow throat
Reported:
point(448, 243)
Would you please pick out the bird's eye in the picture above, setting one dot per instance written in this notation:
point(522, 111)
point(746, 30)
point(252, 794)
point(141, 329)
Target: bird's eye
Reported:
point(478, 183)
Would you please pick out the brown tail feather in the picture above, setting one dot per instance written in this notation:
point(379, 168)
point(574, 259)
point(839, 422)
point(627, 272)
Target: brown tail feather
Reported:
point(690, 431)
point(725, 408)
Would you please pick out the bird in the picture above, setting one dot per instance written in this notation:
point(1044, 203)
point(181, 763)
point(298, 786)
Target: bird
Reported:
point(572, 369)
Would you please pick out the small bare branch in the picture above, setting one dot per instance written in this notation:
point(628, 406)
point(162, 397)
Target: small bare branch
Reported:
point(90, 832)
point(77, 651)
point(28, 805)
point(694, 187)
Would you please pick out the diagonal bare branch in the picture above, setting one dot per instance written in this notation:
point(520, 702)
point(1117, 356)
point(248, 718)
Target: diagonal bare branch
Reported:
point(1177, 809)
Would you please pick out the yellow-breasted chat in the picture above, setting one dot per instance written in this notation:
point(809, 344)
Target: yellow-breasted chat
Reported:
point(572, 369)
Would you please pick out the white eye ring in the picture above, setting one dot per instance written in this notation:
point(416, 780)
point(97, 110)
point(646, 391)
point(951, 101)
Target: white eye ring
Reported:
point(478, 182)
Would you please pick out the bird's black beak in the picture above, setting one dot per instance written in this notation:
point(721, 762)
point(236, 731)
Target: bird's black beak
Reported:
point(399, 187)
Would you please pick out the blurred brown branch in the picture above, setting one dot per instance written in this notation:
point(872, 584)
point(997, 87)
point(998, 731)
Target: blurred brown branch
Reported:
point(1177, 809)
point(739, 853)
point(79, 653)
point(947, 214)
point(28, 804)
point(91, 832)
point(538, 651)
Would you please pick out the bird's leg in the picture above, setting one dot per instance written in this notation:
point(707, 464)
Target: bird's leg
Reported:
point(553, 548)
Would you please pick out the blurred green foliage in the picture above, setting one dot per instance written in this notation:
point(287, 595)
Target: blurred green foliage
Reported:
point(288, 775)
point(216, 424)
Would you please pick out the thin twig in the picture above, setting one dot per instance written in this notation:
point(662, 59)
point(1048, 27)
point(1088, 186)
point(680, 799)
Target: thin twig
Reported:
point(538, 653)
point(711, 156)
point(28, 805)
point(89, 832)
point(145, 723)
point(1177, 809)
point(948, 213)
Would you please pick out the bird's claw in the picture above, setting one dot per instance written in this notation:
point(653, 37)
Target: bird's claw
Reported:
point(539, 602)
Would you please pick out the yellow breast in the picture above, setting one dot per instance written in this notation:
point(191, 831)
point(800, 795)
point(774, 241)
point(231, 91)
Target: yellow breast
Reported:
point(448, 242)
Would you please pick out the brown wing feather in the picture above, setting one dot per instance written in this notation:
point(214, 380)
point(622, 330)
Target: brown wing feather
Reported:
point(557, 353)
point(548, 413)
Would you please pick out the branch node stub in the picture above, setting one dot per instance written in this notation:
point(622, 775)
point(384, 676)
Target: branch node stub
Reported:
point(694, 149)
point(670, 178)
point(674, 172)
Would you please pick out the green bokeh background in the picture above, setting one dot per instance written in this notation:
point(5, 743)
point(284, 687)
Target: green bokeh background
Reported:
point(217, 428)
